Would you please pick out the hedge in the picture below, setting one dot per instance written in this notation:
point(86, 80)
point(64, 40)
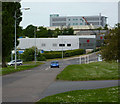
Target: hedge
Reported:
point(58, 54)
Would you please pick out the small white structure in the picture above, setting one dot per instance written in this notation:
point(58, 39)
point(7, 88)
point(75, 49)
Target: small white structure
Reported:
point(99, 57)
point(57, 44)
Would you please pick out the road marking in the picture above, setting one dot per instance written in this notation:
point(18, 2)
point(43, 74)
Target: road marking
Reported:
point(47, 68)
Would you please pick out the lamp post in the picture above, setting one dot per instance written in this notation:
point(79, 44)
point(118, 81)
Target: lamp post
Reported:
point(35, 43)
point(62, 42)
point(15, 35)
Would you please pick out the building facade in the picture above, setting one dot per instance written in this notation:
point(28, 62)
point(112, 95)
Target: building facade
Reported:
point(119, 12)
point(56, 20)
point(61, 43)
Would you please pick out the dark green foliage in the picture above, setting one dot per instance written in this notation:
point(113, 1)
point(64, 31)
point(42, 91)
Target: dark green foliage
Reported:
point(9, 57)
point(8, 21)
point(111, 49)
point(68, 31)
point(42, 32)
point(106, 27)
point(40, 57)
point(29, 31)
point(58, 54)
point(29, 55)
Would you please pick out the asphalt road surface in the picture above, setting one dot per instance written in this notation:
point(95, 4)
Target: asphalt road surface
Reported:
point(36, 83)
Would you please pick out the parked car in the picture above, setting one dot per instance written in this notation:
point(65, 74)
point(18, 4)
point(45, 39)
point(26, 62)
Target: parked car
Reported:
point(18, 62)
point(54, 64)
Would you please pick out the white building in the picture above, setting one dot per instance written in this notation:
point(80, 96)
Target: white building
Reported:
point(119, 12)
point(62, 42)
point(56, 20)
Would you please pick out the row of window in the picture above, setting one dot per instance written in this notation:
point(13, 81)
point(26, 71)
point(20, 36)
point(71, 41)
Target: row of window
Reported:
point(55, 45)
point(76, 19)
point(77, 23)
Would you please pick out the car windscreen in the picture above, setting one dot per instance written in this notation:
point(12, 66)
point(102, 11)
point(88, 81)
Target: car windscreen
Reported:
point(54, 62)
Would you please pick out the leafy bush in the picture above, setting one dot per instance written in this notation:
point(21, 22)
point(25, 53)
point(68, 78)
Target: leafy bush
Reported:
point(40, 57)
point(58, 54)
point(29, 55)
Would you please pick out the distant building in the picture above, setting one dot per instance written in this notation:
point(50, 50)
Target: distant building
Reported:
point(56, 20)
point(119, 12)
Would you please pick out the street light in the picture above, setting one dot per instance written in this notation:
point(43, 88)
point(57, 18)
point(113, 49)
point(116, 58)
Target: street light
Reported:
point(15, 34)
point(62, 42)
point(35, 43)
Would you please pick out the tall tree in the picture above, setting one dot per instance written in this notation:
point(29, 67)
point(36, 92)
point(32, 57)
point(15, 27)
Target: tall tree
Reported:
point(8, 29)
point(111, 48)
point(29, 31)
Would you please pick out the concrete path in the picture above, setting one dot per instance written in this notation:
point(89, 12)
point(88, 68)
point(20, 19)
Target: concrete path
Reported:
point(64, 86)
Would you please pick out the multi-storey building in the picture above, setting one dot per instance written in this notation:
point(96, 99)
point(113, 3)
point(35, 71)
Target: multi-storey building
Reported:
point(56, 20)
point(119, 12)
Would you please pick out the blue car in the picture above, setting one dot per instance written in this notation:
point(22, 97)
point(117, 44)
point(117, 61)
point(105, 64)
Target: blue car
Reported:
point(54, 64)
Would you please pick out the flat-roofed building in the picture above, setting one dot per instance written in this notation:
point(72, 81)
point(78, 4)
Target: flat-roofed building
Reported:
point(57, 44)
point(119, 12)
point(56, 20)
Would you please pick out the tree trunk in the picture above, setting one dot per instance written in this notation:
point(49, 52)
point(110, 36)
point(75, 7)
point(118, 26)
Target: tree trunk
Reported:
point(3, 62)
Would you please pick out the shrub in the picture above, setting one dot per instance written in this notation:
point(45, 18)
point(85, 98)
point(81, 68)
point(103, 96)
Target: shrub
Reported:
point(58, 54)
point(29, 55)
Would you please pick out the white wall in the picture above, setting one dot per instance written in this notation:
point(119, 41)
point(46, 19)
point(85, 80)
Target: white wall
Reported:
point(73, 40)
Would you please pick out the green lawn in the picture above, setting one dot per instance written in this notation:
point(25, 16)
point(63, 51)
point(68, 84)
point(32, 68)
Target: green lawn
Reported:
point(10, 69)
point(95, 95)
point(92, 71)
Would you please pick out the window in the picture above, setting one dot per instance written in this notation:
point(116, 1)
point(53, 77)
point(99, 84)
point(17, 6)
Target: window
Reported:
point(61, 45)
point(55, 45)
point(69, 19)
point(75, 19)
point(81, 24)
point(43, 44)
point(76, 23)
point(68, 45)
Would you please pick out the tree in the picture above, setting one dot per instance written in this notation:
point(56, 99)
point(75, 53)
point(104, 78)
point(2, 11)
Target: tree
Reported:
point(42, 32)
point(67, 31)
point(29, 31)
point(28, 54)
point(106, 27)
point(111, 49)
point(8, 21)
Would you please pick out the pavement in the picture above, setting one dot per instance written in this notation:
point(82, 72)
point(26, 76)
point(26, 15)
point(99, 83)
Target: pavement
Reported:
point(36, 83)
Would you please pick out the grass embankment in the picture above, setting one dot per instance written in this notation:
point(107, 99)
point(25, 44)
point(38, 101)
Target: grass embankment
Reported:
point(95, 95)
point(11, 69)
point(92, 71)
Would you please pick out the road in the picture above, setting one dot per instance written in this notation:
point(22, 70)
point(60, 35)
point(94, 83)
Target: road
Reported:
point(34, 84)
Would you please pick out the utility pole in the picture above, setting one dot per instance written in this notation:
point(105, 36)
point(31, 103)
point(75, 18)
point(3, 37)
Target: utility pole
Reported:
point(15, 42)
point(62, 42)
point(15, 35)
point(35, 43)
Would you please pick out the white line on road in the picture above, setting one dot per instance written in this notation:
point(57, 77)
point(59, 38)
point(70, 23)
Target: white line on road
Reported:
point(47, 68)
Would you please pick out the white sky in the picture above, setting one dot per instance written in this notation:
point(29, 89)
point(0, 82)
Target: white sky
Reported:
point(39, 12)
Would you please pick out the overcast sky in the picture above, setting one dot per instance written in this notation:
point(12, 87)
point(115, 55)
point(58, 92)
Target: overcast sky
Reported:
point(39, 12)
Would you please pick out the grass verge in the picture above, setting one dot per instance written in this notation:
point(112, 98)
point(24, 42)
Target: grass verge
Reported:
point(92, 95)
point(10, 69)
point(92, 71)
